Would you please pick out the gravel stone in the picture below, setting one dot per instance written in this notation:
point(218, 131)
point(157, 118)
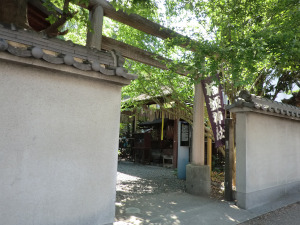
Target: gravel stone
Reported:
point(136, 180)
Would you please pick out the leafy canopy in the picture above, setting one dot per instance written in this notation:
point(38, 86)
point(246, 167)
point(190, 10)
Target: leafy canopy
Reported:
point(253, 42)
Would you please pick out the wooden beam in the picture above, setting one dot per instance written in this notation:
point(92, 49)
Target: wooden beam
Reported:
point(142, 24)
point(209, 153)
point(136, 54)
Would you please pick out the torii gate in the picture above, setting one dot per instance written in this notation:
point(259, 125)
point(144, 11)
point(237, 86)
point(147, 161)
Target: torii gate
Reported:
point(59, 125)
point(198, 174)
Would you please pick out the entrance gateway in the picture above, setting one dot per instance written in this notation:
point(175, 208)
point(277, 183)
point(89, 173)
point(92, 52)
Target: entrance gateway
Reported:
point(60, 112)
point(59, 103)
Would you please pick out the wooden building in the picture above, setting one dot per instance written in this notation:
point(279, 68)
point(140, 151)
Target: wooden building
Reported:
point(152, 136)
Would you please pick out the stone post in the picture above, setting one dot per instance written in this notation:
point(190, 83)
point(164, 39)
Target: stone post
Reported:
point(198, 174)
point(94, 37)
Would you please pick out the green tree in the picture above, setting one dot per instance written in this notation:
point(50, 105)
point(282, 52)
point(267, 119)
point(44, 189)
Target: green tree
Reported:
point(251, 42)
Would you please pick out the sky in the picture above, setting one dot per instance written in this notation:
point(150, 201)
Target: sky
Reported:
point(281, 95)
point(184, 23)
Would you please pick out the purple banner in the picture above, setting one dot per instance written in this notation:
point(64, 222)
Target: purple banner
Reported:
point(215, 108)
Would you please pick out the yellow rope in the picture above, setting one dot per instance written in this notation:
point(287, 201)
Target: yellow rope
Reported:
point(162, 126)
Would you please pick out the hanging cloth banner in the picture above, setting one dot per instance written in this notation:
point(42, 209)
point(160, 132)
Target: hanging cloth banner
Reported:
point(215, 109)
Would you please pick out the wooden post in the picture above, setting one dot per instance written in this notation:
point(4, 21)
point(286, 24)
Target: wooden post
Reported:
point(234, 167)
point(229, 157)
point(132, 126)
point(198, 127)
point(209, 152)
point(94, 37)
point(198, 180)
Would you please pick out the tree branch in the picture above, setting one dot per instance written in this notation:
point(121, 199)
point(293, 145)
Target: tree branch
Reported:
point(53, 30)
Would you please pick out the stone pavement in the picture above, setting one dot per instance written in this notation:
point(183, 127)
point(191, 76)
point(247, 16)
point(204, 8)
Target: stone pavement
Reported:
point(166, 204)
point(287, 215)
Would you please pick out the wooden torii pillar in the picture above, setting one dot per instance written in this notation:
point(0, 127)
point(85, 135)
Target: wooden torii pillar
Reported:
point(198, 179)
point(198, 127)
point(94, 37)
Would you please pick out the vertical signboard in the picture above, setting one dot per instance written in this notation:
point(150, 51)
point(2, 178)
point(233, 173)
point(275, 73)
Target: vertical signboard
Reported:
point(184, 134)
point(215, 108)
point(183, 149)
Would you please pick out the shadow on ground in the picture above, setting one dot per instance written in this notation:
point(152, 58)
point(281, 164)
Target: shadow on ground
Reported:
point(136, 180)
point(154, 195)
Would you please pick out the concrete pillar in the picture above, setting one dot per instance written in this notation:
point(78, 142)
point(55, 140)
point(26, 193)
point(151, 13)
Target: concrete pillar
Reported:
point(94, 37)
point(197, 174)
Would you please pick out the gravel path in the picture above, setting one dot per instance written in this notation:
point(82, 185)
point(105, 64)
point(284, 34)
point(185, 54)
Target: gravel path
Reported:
point(140, 187)
point(136, 180)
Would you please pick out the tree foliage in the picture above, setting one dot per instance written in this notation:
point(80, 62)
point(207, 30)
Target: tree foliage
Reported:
point(253, 42)
point(66, 11)
point(259, 40)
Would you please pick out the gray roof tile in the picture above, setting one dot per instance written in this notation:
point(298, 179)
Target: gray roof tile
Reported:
point(61, 48)
point(247, 100)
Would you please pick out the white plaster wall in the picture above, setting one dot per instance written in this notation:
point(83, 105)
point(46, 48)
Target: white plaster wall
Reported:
point(273, 151)
point(58, 147)
point(268, 158)
point(241, 128)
